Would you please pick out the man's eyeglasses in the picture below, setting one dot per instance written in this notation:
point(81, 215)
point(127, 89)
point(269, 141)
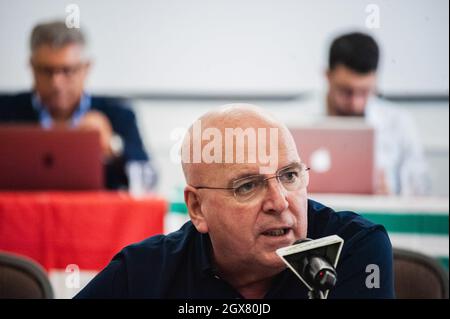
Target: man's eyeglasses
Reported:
point(67, 71)
point(292, 178)
point(347, 92)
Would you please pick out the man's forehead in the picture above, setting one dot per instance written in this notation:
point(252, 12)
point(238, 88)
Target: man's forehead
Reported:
point(232, 171)
point(346, 75)
point(67, 53)
point(236, 140)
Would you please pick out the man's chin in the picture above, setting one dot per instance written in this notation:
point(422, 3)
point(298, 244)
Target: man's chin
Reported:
point(273, 261)
point(276, 263)
point(58, 106)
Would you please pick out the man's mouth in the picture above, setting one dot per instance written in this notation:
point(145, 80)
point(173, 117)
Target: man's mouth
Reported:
point(276, 232)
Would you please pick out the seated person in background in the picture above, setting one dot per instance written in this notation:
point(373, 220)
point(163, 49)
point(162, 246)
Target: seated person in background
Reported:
point(240, 214)
point(352, 76)
point(60, 67)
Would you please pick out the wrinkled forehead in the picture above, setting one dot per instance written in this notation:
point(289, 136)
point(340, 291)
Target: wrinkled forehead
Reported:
point(233, 150)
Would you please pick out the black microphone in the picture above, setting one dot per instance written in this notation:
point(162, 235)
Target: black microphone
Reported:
point(316, 269)
point(313, 261)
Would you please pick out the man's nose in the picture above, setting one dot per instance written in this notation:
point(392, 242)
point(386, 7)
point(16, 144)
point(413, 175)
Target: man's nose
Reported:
point(57, 78)
point(359, 98)
point(357, 102)
point(275, 200)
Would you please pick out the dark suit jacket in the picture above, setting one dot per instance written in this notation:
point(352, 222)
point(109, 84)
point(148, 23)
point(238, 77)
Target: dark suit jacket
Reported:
point(18, 109)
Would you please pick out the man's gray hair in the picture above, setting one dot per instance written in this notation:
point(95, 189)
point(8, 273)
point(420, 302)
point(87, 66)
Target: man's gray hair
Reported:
point(55, 34)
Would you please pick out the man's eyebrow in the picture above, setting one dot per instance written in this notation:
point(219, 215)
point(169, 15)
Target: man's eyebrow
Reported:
point(294, 163)
point(244, 175)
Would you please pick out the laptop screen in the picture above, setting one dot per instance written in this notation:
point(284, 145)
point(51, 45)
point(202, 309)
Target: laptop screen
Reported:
point(33, 158)
point(340, 155)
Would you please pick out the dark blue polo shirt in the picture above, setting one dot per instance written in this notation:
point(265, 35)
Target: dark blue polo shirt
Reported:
point(179, 265)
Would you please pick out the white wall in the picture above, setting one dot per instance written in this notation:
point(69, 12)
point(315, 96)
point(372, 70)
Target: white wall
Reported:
point(268, 46)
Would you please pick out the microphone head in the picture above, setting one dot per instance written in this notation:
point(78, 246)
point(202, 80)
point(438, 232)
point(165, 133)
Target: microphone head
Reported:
point(316, 269)
point(313, 261)
point(321, 273)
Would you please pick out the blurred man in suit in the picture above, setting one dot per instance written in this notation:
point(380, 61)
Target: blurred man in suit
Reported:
point(60, 66)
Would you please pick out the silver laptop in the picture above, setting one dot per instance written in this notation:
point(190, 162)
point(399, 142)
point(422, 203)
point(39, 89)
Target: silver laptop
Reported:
point(340, 153)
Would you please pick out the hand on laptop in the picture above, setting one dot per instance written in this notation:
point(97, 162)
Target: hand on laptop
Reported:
point(94, 120)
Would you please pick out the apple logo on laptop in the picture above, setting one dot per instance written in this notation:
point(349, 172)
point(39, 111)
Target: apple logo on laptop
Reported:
point(320, 160)
point(48, 160)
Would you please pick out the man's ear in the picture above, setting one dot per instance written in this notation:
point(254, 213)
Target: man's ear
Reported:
point(193, 203)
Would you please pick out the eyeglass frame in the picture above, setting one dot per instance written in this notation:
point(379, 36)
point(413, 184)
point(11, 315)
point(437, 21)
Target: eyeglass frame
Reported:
point(304, 168)
point(68, 71)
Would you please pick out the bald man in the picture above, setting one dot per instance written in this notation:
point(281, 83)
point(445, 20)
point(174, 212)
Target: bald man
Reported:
point(246, 195)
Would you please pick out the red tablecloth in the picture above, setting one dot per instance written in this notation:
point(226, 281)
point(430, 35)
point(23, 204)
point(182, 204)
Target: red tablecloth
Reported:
point(83, 228)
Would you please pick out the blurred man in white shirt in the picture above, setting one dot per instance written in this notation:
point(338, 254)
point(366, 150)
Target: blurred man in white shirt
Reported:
point(352, 77)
